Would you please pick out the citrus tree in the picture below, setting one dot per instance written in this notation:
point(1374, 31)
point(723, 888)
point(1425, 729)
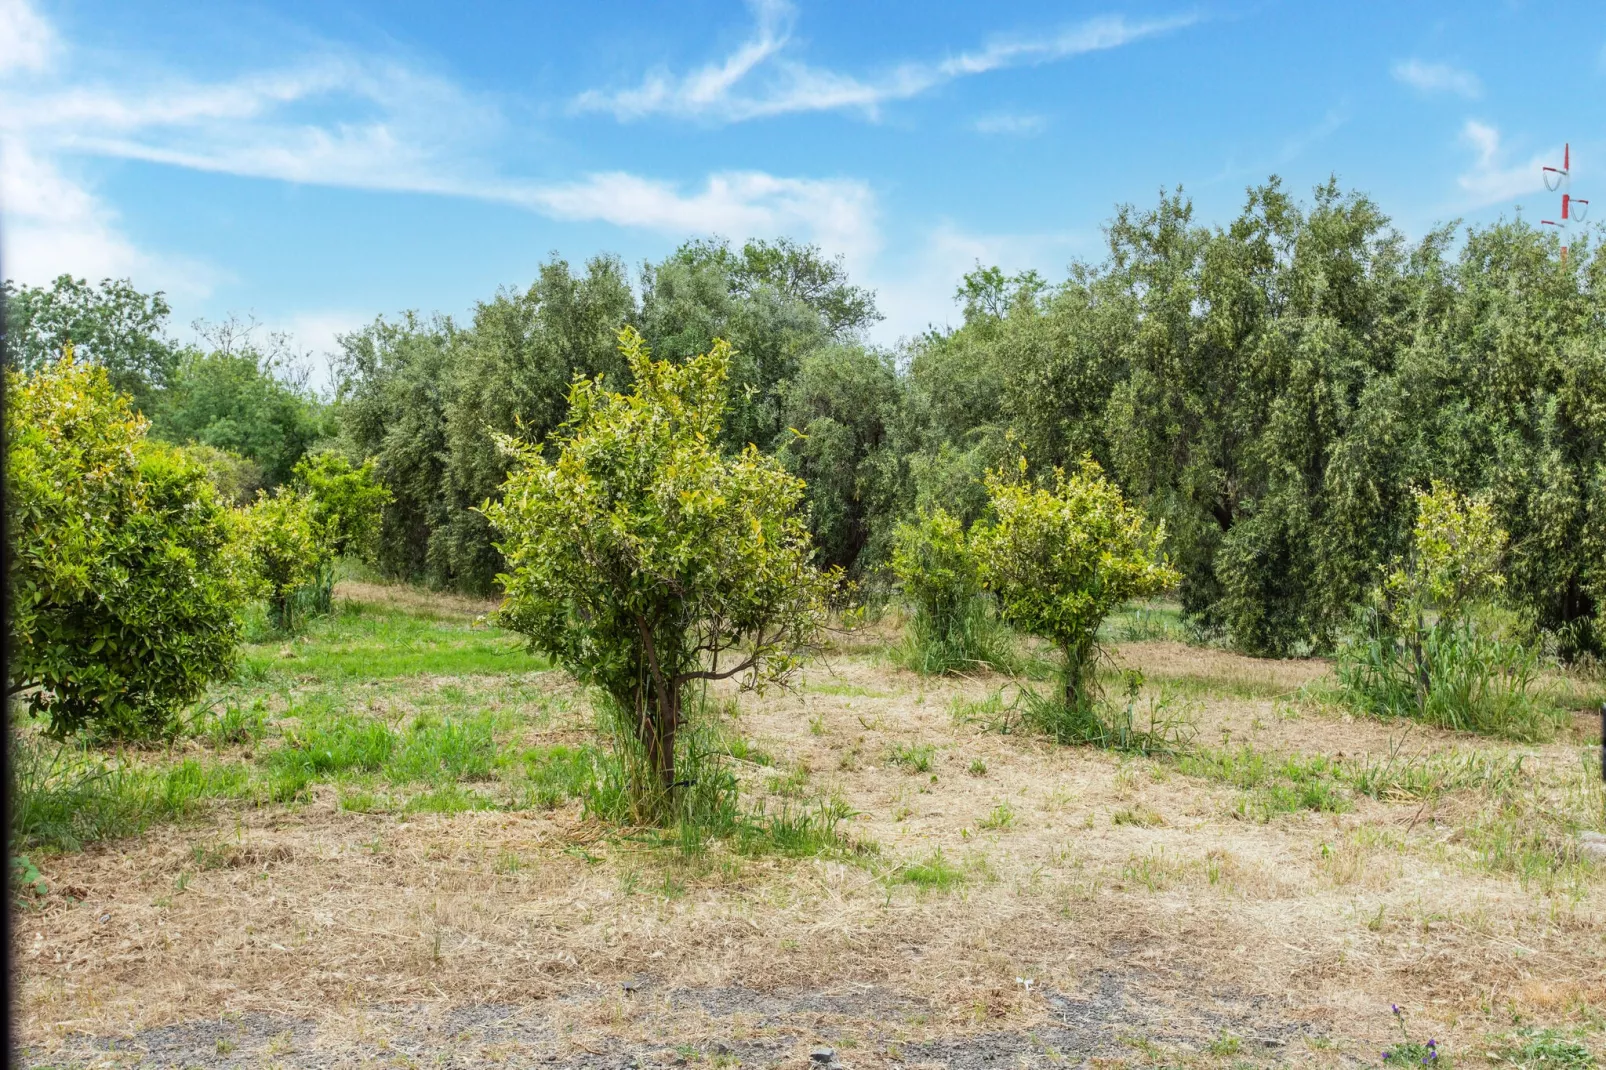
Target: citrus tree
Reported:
point(1061, 557)
point(288, 550)
point(647, 562)
point(126, 574)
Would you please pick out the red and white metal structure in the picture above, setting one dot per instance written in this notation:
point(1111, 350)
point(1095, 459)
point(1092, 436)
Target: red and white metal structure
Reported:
point(1572, 208)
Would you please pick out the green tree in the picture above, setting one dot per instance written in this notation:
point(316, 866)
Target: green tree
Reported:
point(126, 577)
point(646, 562)
point(288, 550)
point(937, 568)
point(840, 409)
point(774, 302)
point(511, 375)
point(244, 399)
point(112, 325)
point(347, 501)
point(393, 390)
point(1061, 558)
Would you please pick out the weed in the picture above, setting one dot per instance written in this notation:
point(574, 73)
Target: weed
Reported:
point(1452, 674)
point(1141, 816)
point(1543, 1049)
point(978, 767)
point(1409, 1052)
point(1119, 726)
point(912, 757)
point(1001, 816)
point(934, 872)
point(235, 724)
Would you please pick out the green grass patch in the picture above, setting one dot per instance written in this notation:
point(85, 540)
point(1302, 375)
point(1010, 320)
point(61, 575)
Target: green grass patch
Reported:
point(912, 757)
point(360, 641)
point(1542, 1049)
point(65, 795)
point(934, 871)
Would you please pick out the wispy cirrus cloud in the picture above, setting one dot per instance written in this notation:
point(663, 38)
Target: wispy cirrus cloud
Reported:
point(760, 78)
point(334, 118)
point(27, 41)
point(1438, 78)
point(1492, 179)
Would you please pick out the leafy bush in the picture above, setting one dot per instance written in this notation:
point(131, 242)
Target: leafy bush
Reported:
point(347, 505)
point(952, 628)
point(287, 549)
point(1061, 559)
point(646, 562)
point(1421, 649)
point(236, 479)
point(127, 579)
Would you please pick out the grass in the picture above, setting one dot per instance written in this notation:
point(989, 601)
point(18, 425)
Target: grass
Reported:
point(312, 783)
point(1542, 1049)
point(912, 757)
point(360, 641)
point(935, 871)
point(1477, 679)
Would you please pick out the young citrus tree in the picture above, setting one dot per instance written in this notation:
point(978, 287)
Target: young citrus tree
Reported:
point(126, 575)
point(288, 550)
point(347, 508)
point(1423, 649)
point(1061, 558)
point(648, 563)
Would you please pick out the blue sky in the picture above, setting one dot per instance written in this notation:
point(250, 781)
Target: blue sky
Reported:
point(316, 163)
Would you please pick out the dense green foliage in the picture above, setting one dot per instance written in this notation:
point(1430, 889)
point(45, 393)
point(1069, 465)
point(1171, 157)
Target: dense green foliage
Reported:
point(287, 548)
point(112, 325)
point(1061, 557)
point(426, 397)
point(1422, 649)
point(936, 568)
point(1275, 390)
point(126, 577)
point(648, 562)
point(243, 400)
point(347, 501)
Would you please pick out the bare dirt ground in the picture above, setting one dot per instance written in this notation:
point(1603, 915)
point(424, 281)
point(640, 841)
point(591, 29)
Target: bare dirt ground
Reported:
point(1104, 910)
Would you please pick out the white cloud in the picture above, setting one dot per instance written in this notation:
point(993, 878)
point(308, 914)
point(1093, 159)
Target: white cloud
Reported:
point(1438, 78)
point(758, 79)
point(351, 121)
point(1008, 123)
point(917, 292)
point(27, 41)
point(837, 213)
point(1490, 180)
point(56, 226)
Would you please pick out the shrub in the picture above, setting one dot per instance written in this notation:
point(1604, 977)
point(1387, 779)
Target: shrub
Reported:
point(347, 505)
point(1422, 648)
point(1061, 559)
point(347, 501)
point(647, 563)
point(288, 550)
point(952, 628)
point(127, 581)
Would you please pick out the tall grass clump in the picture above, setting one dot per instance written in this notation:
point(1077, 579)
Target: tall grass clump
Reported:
point(1426, 646)
point(704, 805)
point(953, 628)
point(64, 795)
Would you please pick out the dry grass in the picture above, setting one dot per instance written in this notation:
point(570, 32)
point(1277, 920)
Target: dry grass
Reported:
point(1317, 920)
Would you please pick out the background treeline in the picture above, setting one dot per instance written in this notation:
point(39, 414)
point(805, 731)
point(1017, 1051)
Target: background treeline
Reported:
point(1275, 390)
